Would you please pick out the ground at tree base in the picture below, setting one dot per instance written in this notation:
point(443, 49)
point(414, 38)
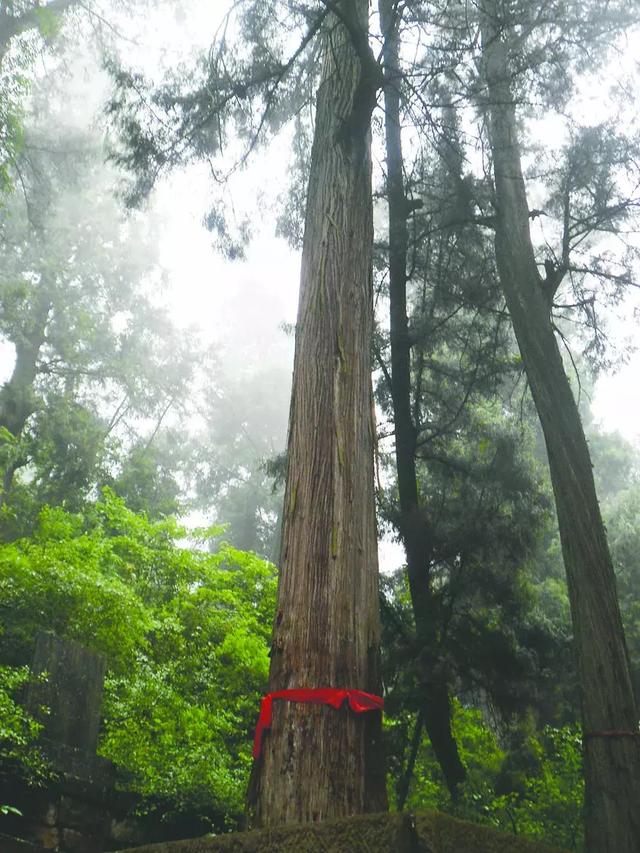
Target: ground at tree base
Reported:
point(426, 832)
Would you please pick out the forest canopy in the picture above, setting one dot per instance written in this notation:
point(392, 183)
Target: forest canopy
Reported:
point(159, 167)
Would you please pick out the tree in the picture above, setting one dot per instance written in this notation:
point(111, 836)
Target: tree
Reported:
point(612, 763)
point(237, 451)
point(448, 358)
point(493, 647)
point(23, 26)
point(22, 17)
point(319, 763)
point(94, 356)
point(413, 524)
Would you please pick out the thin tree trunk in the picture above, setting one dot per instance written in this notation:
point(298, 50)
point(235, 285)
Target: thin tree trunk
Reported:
point(17, 399)
point(612, 763)
point(405, 781)
point(318, 762)
point(413, 524)
point(17, 395)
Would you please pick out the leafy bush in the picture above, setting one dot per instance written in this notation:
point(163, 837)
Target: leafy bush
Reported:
point(19, 750)
point(534, 787)
point(185, 632)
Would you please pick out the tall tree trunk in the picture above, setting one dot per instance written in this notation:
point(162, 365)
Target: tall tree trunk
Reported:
point(413, 523)
point(318, 762)
point(612, 763)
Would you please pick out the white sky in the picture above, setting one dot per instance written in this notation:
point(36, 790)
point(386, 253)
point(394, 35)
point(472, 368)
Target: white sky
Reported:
point(239, 304)
point(616, 403)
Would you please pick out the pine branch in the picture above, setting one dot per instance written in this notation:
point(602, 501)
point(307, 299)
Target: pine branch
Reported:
point(11, 27)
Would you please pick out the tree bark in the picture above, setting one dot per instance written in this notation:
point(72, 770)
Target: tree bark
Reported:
point(612, 763)
point(318, 762)
point(413, 524)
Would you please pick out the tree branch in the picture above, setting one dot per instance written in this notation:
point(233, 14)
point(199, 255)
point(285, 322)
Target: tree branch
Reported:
point(29, 20)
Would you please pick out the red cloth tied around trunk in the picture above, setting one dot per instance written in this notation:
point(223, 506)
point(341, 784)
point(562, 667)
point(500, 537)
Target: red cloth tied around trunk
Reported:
point(359, 702)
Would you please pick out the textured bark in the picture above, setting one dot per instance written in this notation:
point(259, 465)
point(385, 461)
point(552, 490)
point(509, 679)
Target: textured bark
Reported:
point(412, 522)
point(612, 764)
point(317, 762)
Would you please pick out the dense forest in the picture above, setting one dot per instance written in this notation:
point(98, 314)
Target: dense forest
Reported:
point(459, 183)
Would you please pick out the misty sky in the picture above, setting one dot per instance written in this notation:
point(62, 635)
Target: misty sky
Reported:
point(247, 301)
point(241, 305)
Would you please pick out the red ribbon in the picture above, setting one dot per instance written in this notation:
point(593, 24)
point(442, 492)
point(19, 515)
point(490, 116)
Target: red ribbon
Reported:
point(359, 701)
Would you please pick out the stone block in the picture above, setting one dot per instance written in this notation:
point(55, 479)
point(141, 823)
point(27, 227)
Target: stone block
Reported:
point(126, 831)
point(72, 692)
point(79, 842)
point(82, 814)
point(18, 845)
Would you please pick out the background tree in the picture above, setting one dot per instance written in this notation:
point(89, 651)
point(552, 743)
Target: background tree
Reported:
point(28, 30)
point(445, 363)
point(94, 356)
point(238, 464)
point(612, 764)
point(412, 522)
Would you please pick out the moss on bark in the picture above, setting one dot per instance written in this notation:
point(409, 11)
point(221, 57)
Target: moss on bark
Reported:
point(427, 832)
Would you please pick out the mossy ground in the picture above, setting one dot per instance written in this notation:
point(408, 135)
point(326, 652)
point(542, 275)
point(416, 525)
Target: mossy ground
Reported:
point(426, 832)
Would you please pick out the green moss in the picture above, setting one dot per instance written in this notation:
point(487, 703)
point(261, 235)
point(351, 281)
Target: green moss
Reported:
point(449, 835)
point(429, 832)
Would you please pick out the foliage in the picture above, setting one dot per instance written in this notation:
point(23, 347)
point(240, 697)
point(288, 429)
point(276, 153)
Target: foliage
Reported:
point(549, 803)
point(233, 462)
point(489, 509)
point(527, 782)
point(185, 632)
point(19, 750)
point(622, 515)
point(616, 474)
point(13, 88)
point(243, 88)
point(99, 365)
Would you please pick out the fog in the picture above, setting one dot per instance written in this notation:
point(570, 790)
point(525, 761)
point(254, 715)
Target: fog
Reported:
point(154, 158)
point(241, 312)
